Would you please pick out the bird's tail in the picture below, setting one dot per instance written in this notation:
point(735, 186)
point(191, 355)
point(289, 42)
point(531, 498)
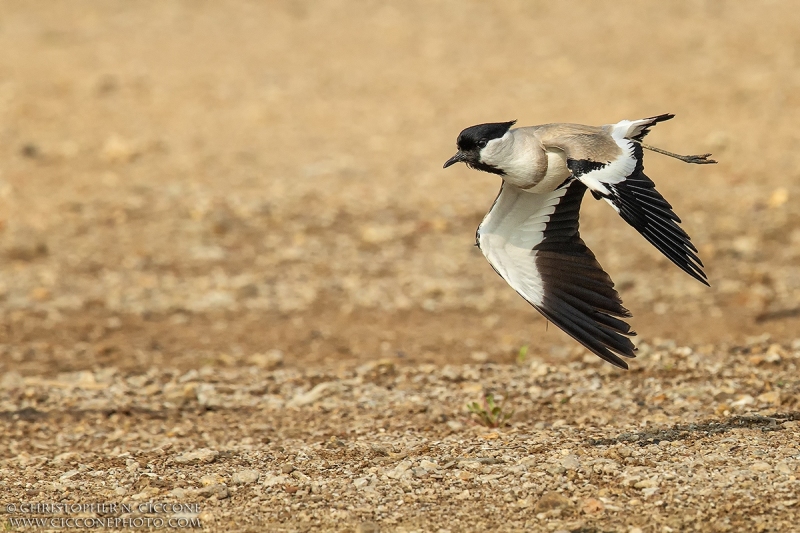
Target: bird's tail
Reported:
point(637, 129)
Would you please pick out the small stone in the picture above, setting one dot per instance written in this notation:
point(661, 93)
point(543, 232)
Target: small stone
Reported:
point(322, 390)
point(12, 380)
point(206, 518)
point(211, 479)
point(368, 527)
point(451, 373)
point(272, 480)
point(245, 477)
point(479, 357)
point(67, 475)
point(146, 494)
point(774, 353)
point(571, 462)
point(377, 234)
point(267, 361)
point(645, 484)
point(201, 456)
point(743, 400)
point(428, 465)
point(152, 389)
point(455, 425)
point(761, 466)
point(771, 397)
point(550, 501)
point(132, 466)
point(420, 472)
point(119, 150)
point(465, 475)
point(218, 490)
point(610, 468)
point(287, 468)
point(593, 506)
point(361, 482)
point(207, 395)
point(64, 458)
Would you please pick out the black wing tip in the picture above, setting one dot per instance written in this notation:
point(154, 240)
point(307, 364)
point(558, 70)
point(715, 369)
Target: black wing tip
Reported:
point(610, 357)
point(662, 118)
point(702, 278)
point(617, 362)
point(604, 342)
point(645, 209)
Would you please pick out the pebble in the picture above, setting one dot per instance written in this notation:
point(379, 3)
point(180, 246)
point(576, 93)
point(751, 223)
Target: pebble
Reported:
point(211, 479)
point(771, 397)
point(269, 360)
point(368, 527)
point(201, 456)
point(552, 500)
point(428, 465)
point(217, 490)
point(11, 380)
point(455, 425)
point(320, 391)
point(245, 477)
point(67, 475)
point(571, 462)
point(592, 506)
point(272, 480)
point(64, 458)
point(761, 466)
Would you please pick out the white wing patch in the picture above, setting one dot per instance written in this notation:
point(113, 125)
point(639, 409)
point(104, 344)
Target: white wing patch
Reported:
point(614, 172)
point(509, 232)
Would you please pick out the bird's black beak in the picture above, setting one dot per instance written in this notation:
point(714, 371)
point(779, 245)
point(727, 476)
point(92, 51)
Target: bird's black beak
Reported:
point(458, 158)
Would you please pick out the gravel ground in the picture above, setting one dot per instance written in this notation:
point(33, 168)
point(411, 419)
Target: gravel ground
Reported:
point(234, 274)
point(382, 443)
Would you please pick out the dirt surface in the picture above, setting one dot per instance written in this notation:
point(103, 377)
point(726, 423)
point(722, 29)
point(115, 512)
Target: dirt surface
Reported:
point(234, 273)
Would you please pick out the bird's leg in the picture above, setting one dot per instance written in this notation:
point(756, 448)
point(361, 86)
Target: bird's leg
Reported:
point(697, 159)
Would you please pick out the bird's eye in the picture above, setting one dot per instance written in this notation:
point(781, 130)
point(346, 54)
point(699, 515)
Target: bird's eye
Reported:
point(482, 143)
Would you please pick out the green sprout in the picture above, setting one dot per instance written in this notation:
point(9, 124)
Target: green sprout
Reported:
point(523, 352)
point(490, 414)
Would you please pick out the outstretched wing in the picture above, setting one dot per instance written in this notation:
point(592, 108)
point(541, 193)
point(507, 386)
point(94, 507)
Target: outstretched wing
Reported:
point(532, 241)
point(622, 183)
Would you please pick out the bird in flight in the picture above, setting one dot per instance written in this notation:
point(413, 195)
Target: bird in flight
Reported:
point(530, 235)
